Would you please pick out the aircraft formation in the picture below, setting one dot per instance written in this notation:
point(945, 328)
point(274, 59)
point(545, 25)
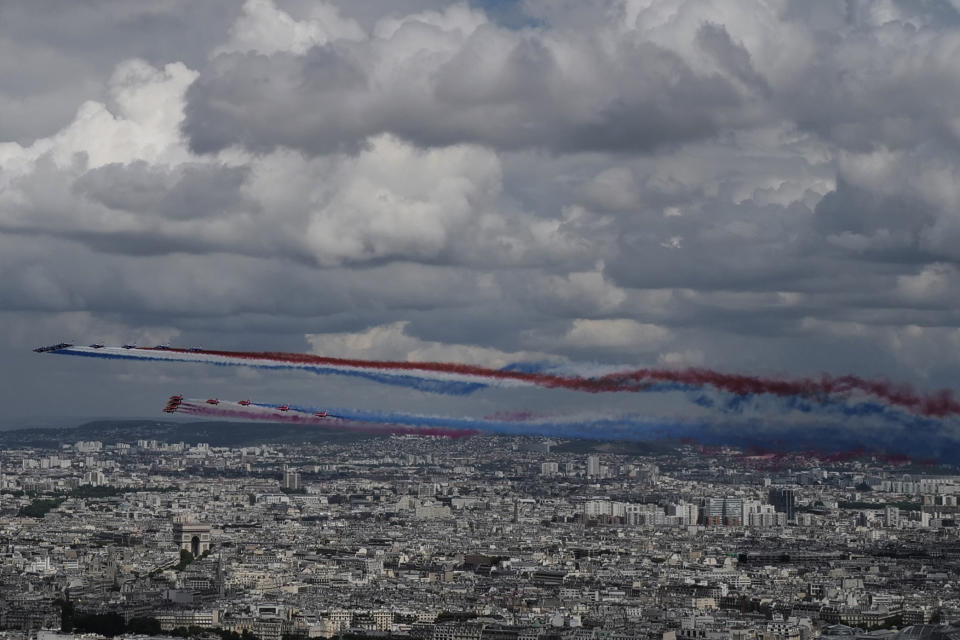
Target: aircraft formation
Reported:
point(175, 402)
point(736, 409)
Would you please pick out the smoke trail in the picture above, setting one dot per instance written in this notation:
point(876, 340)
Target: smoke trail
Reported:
point(462, 379)
point(235, 411)
point(625, 427)
point(866, 427)
point(824, 408)
point(426, 384)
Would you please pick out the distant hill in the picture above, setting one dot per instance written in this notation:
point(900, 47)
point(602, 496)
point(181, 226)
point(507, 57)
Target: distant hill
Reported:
point(621, 447)
point(216, 433)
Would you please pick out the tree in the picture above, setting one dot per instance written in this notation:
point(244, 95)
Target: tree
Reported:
point(39, 508)
point(106, 624)
point(66, 613)
point(146, 626)
point(185, 559)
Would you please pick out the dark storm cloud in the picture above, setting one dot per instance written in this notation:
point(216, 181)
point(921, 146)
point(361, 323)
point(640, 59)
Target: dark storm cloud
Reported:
point(60, 275)
point(872, 81)
point(273, 90)
point(743, 247)
point(651, 97)
point(184, 192)
point(873, 225)
point(732, 56)
point(130, 208)
point(854, 82)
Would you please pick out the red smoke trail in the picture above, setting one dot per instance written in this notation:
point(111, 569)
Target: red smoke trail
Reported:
point(332, 424)
point(514, 416)
point(938, 404)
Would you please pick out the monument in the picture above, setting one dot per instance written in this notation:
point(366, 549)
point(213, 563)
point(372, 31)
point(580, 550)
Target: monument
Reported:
point(191, 536)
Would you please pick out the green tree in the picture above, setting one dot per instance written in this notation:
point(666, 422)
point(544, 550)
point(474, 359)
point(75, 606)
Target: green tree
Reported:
point(66, 613)
point(39, 508)
point(106, 624)
point(185, 559)
point(146, 626)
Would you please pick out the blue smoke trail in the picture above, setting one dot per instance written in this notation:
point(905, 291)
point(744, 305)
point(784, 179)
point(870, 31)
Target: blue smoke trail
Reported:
point(629, 427)
point(841, 427)
point(428, 385)
point(737, 405)
point(825, 436)
point(886, 426)
point(851, 428)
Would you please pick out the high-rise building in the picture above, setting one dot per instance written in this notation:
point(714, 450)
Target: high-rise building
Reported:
point(891, 516)
point(723, 511)
point(688, 513)
point(593, 466)
point(94, 478)
point(783, 501)
point(291, 480)
point(549, 468)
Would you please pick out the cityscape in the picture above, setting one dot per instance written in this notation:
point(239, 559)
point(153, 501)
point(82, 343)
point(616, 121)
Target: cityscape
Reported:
point(480, 319)
point(441, 538)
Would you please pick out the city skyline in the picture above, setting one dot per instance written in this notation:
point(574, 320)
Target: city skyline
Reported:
point(430, 538)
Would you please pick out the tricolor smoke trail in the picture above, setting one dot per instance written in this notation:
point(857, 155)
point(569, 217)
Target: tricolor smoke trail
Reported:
point(462, 379)
point(340, 422)
point(902, 433)
point(612, 427)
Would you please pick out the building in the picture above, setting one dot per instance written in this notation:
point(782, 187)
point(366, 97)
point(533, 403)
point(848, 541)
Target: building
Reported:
point(549, 468)
point(593, 466)
point(432, 511)
point(191, 536)
point(94, 478)
point(891, 517)
point(170, 620)
point(783, 501)
point(291, 480)
point(687, 512)
point(723, 511)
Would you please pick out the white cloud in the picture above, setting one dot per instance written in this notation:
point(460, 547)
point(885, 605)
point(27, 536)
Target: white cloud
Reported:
point(140, 123)
point(619, 333)
point(614, 188)
point(586, 290)
point(392, 200)
point(679, 359)
point(391, 342)
point(930, 285)
point(398, 201)
point(457, 18)
point(838, 328)
point(263, 28)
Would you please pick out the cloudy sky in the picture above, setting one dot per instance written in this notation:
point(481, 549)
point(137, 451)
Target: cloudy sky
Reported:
point(766, 186)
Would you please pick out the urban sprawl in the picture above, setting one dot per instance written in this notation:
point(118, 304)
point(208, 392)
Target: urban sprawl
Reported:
point(472, 539)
